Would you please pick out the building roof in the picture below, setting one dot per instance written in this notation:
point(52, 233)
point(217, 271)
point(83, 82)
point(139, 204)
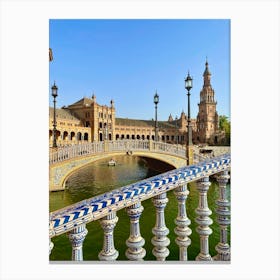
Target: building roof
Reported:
point(62, 114)
point(82, 102)
point(143, 123)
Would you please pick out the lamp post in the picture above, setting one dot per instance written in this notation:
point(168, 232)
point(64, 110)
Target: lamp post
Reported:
point(177, 134)
point(54, 94)
point(156, 101)
point(188, 87)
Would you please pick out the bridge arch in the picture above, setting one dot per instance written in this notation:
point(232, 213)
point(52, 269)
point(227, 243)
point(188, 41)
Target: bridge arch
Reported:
point(60, 172)
point(68, 159)
point(109, 156)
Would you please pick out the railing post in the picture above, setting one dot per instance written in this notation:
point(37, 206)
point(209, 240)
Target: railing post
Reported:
point(135, 252)
point(223, 218)
point(106, 146)
point(182, 221)
point(203, 219)
point(77, 237)
point(151, 145)
point(108, 223)
point(160, 241)
point(50, 246)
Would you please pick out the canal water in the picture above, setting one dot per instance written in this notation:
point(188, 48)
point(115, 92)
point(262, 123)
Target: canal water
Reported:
point(98, 178)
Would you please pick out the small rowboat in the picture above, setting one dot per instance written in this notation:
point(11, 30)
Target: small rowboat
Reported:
point(112, 162)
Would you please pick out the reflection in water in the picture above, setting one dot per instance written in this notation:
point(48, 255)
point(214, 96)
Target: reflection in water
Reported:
point(98, 178)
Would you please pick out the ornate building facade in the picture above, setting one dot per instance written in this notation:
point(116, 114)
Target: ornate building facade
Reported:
point(87, 121)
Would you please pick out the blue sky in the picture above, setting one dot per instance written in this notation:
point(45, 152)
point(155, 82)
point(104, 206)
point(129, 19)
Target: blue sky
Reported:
point(128, 60)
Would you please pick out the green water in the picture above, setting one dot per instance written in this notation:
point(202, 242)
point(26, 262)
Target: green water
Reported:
point(98, 178)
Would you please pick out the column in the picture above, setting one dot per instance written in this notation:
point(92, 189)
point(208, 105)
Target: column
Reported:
point(182, 221)
point(203, 219)
point(108, 223)
point(160, 241)
point(77, 237)
point(135, 252)
point(223, 218)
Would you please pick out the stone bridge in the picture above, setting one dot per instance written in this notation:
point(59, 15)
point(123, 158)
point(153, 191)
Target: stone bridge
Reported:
point(66, 160)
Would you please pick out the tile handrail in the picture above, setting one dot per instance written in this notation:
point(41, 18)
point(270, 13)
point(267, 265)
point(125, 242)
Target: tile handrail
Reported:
point(73, 219)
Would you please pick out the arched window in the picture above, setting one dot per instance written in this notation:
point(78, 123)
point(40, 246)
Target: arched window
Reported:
point(86, 136)
point(65, 134)
point(79, 136)
point(72, 135)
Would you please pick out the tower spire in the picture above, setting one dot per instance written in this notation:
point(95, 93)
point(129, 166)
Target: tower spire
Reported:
point(207, 74)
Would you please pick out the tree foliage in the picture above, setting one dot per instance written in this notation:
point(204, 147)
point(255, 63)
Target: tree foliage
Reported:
point(224, 125)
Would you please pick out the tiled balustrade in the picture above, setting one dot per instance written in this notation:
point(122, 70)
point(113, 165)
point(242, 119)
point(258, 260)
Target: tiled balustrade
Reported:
point(73, 219)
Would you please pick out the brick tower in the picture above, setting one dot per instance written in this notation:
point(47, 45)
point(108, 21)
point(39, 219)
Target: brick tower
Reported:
point(207, 118)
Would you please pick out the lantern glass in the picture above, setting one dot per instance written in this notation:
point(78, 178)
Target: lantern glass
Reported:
point(54, 90)
point(188, 82)
point(156, 98)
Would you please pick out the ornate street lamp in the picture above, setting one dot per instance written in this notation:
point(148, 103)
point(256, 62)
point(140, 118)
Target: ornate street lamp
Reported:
point(177, 134)
point(156, 101)
point(54, 94)
point(188, 87)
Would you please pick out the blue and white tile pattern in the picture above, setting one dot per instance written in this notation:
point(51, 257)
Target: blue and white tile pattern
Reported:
point(97, 207)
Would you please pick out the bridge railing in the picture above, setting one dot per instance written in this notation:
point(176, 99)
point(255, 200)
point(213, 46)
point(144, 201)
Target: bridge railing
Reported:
point(73, 220)
point(69, 152)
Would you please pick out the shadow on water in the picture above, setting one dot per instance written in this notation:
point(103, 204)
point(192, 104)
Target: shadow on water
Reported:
point(98, 178)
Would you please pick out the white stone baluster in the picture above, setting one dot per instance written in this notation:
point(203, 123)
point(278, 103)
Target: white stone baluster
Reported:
point(160, 241)
point(223, 218)
point(77, 237)
point(135, 252)
point(50, 246)
point(108, 223)
point(203, 219)
point(182, 221)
